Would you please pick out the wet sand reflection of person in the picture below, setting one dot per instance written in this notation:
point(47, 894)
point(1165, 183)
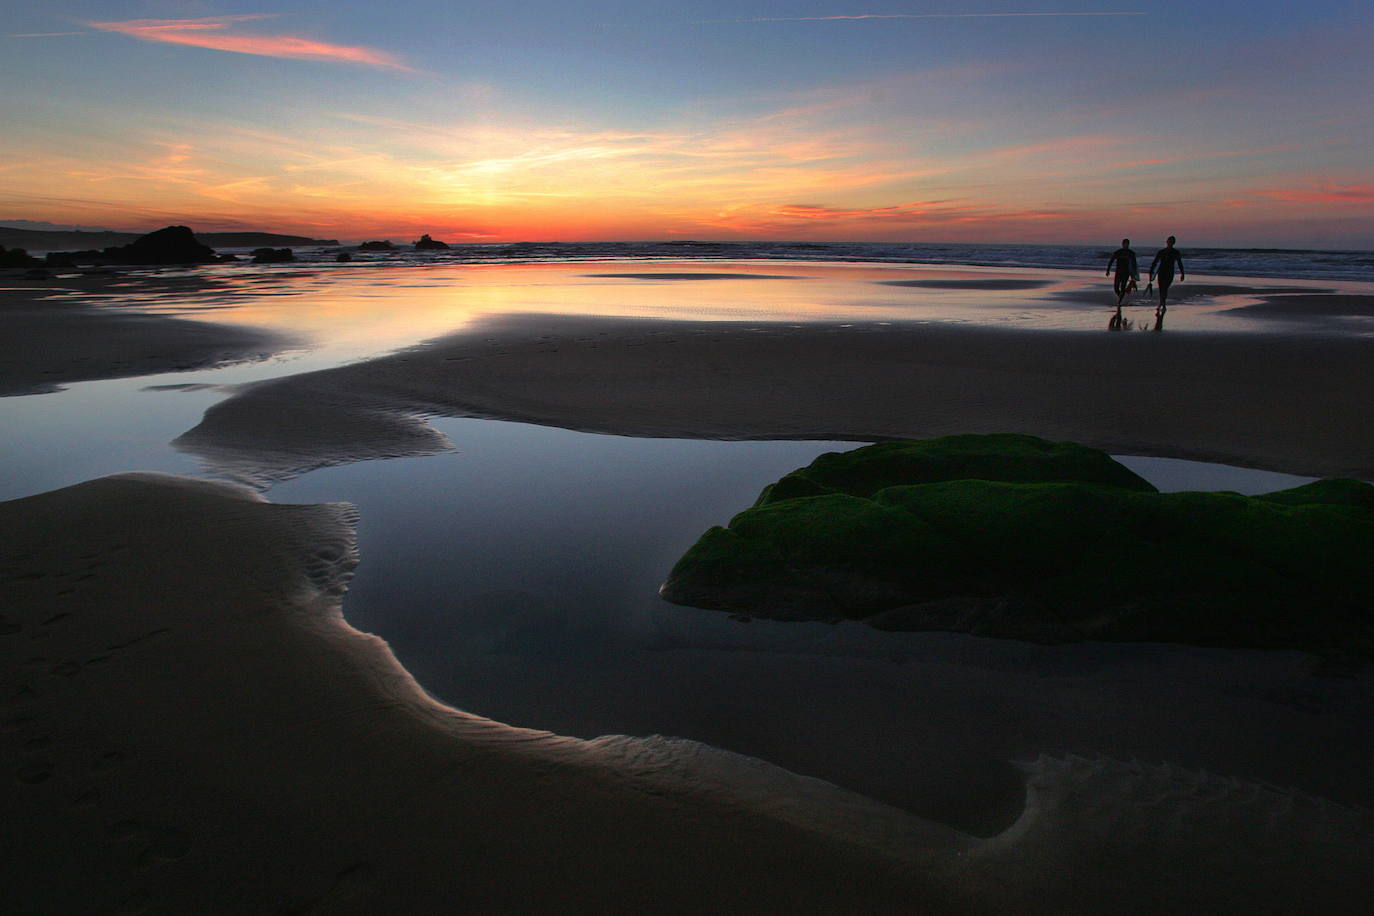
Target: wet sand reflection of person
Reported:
point(1162, 271)
point(1127, 276)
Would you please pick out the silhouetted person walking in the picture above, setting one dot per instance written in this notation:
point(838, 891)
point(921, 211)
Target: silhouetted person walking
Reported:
point(1162, 270)
point(1127, 275)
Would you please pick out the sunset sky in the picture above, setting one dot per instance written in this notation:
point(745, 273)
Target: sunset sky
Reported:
point(1226, 123)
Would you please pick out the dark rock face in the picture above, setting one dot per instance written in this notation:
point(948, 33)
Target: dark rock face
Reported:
point(377, 246)
point(16, 257)
point(1054, 542)
point(428, 244)
point(273, 255)
point(172, 245)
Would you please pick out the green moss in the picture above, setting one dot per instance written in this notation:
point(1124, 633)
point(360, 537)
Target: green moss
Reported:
point(1069, 549)
point(1005, 456)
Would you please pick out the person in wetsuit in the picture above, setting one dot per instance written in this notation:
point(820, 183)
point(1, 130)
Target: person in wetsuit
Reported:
point(1127, 275)
point(1162, 270)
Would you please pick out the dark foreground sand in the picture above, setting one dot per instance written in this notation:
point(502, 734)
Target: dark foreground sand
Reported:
point(1295, 403)
point(190, 726)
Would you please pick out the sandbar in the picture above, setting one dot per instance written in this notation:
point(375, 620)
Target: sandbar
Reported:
point(50, 339)
point(1284, 402)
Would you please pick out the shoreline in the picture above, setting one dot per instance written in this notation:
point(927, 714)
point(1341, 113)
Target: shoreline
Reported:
point(175, 743)
point(171, 733)
point(192, 725)
point(51, 342)
point(1287, 403)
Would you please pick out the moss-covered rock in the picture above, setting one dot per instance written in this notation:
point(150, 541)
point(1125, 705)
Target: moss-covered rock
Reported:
point(1007, 456)
point(1016, 537)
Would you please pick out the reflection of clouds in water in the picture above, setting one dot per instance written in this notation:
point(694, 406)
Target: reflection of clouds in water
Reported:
point(693, 276)
point(183, 387)
point(1003, 285)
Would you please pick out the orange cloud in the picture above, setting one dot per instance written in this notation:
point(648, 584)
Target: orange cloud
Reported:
point(913, 212)
point(210, 33)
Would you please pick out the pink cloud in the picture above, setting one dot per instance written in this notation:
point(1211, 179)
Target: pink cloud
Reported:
point(812, 218)
point(1331, 194)
point(210, 33)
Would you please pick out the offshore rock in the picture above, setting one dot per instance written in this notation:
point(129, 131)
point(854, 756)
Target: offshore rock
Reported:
point(16, 257)
point(1012, 536)
point(428, 244)
point(172, 245)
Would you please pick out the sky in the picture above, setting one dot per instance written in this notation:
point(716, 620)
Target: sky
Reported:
point(1075, 121)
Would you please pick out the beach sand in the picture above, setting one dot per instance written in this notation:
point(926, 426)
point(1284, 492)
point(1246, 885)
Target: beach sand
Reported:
point(1294, 403)
point(51, 339)
point(191, 726)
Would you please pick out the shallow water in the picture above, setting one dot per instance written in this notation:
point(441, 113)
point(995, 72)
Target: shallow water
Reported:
point(516, 577)
point(350, 312)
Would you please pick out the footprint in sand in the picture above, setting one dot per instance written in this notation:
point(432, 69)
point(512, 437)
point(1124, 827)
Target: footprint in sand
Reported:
point(163, 845)
point(34, 773)
point(86, 799)
point(16, 723)
point(166, 846)
point(348, 887)
point(107, 760)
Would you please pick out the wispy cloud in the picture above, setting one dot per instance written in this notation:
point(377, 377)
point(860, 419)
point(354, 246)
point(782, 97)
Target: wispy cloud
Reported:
point(211, 32)
point(849, 17)
point(1330, 194)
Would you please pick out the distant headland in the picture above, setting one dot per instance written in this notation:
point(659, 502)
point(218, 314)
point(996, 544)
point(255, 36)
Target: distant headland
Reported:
point(50, 240)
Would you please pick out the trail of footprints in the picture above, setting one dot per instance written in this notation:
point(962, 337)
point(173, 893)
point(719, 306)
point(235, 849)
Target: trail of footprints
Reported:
point(42, 762)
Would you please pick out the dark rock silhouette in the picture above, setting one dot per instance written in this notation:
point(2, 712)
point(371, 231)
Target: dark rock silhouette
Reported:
point(343, 257)
point(1012, 536)
point(273, 255)
point(428, 244)
point(172, 245)
point(73, 258)
point(382, 245)
point(16, 257)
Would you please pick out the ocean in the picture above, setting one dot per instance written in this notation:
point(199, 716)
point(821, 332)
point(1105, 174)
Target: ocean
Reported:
point(1241, 262)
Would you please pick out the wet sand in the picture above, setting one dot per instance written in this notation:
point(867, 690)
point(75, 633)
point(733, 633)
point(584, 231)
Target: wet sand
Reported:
point(192, 727)
point(1294, 403)
point(48, 342)
point(1312, 306)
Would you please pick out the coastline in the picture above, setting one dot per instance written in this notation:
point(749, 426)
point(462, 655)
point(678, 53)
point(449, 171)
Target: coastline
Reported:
point(1207, 397)
point(171, 732)
point(193, 725)
point(49, 342)
point(173, 740)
